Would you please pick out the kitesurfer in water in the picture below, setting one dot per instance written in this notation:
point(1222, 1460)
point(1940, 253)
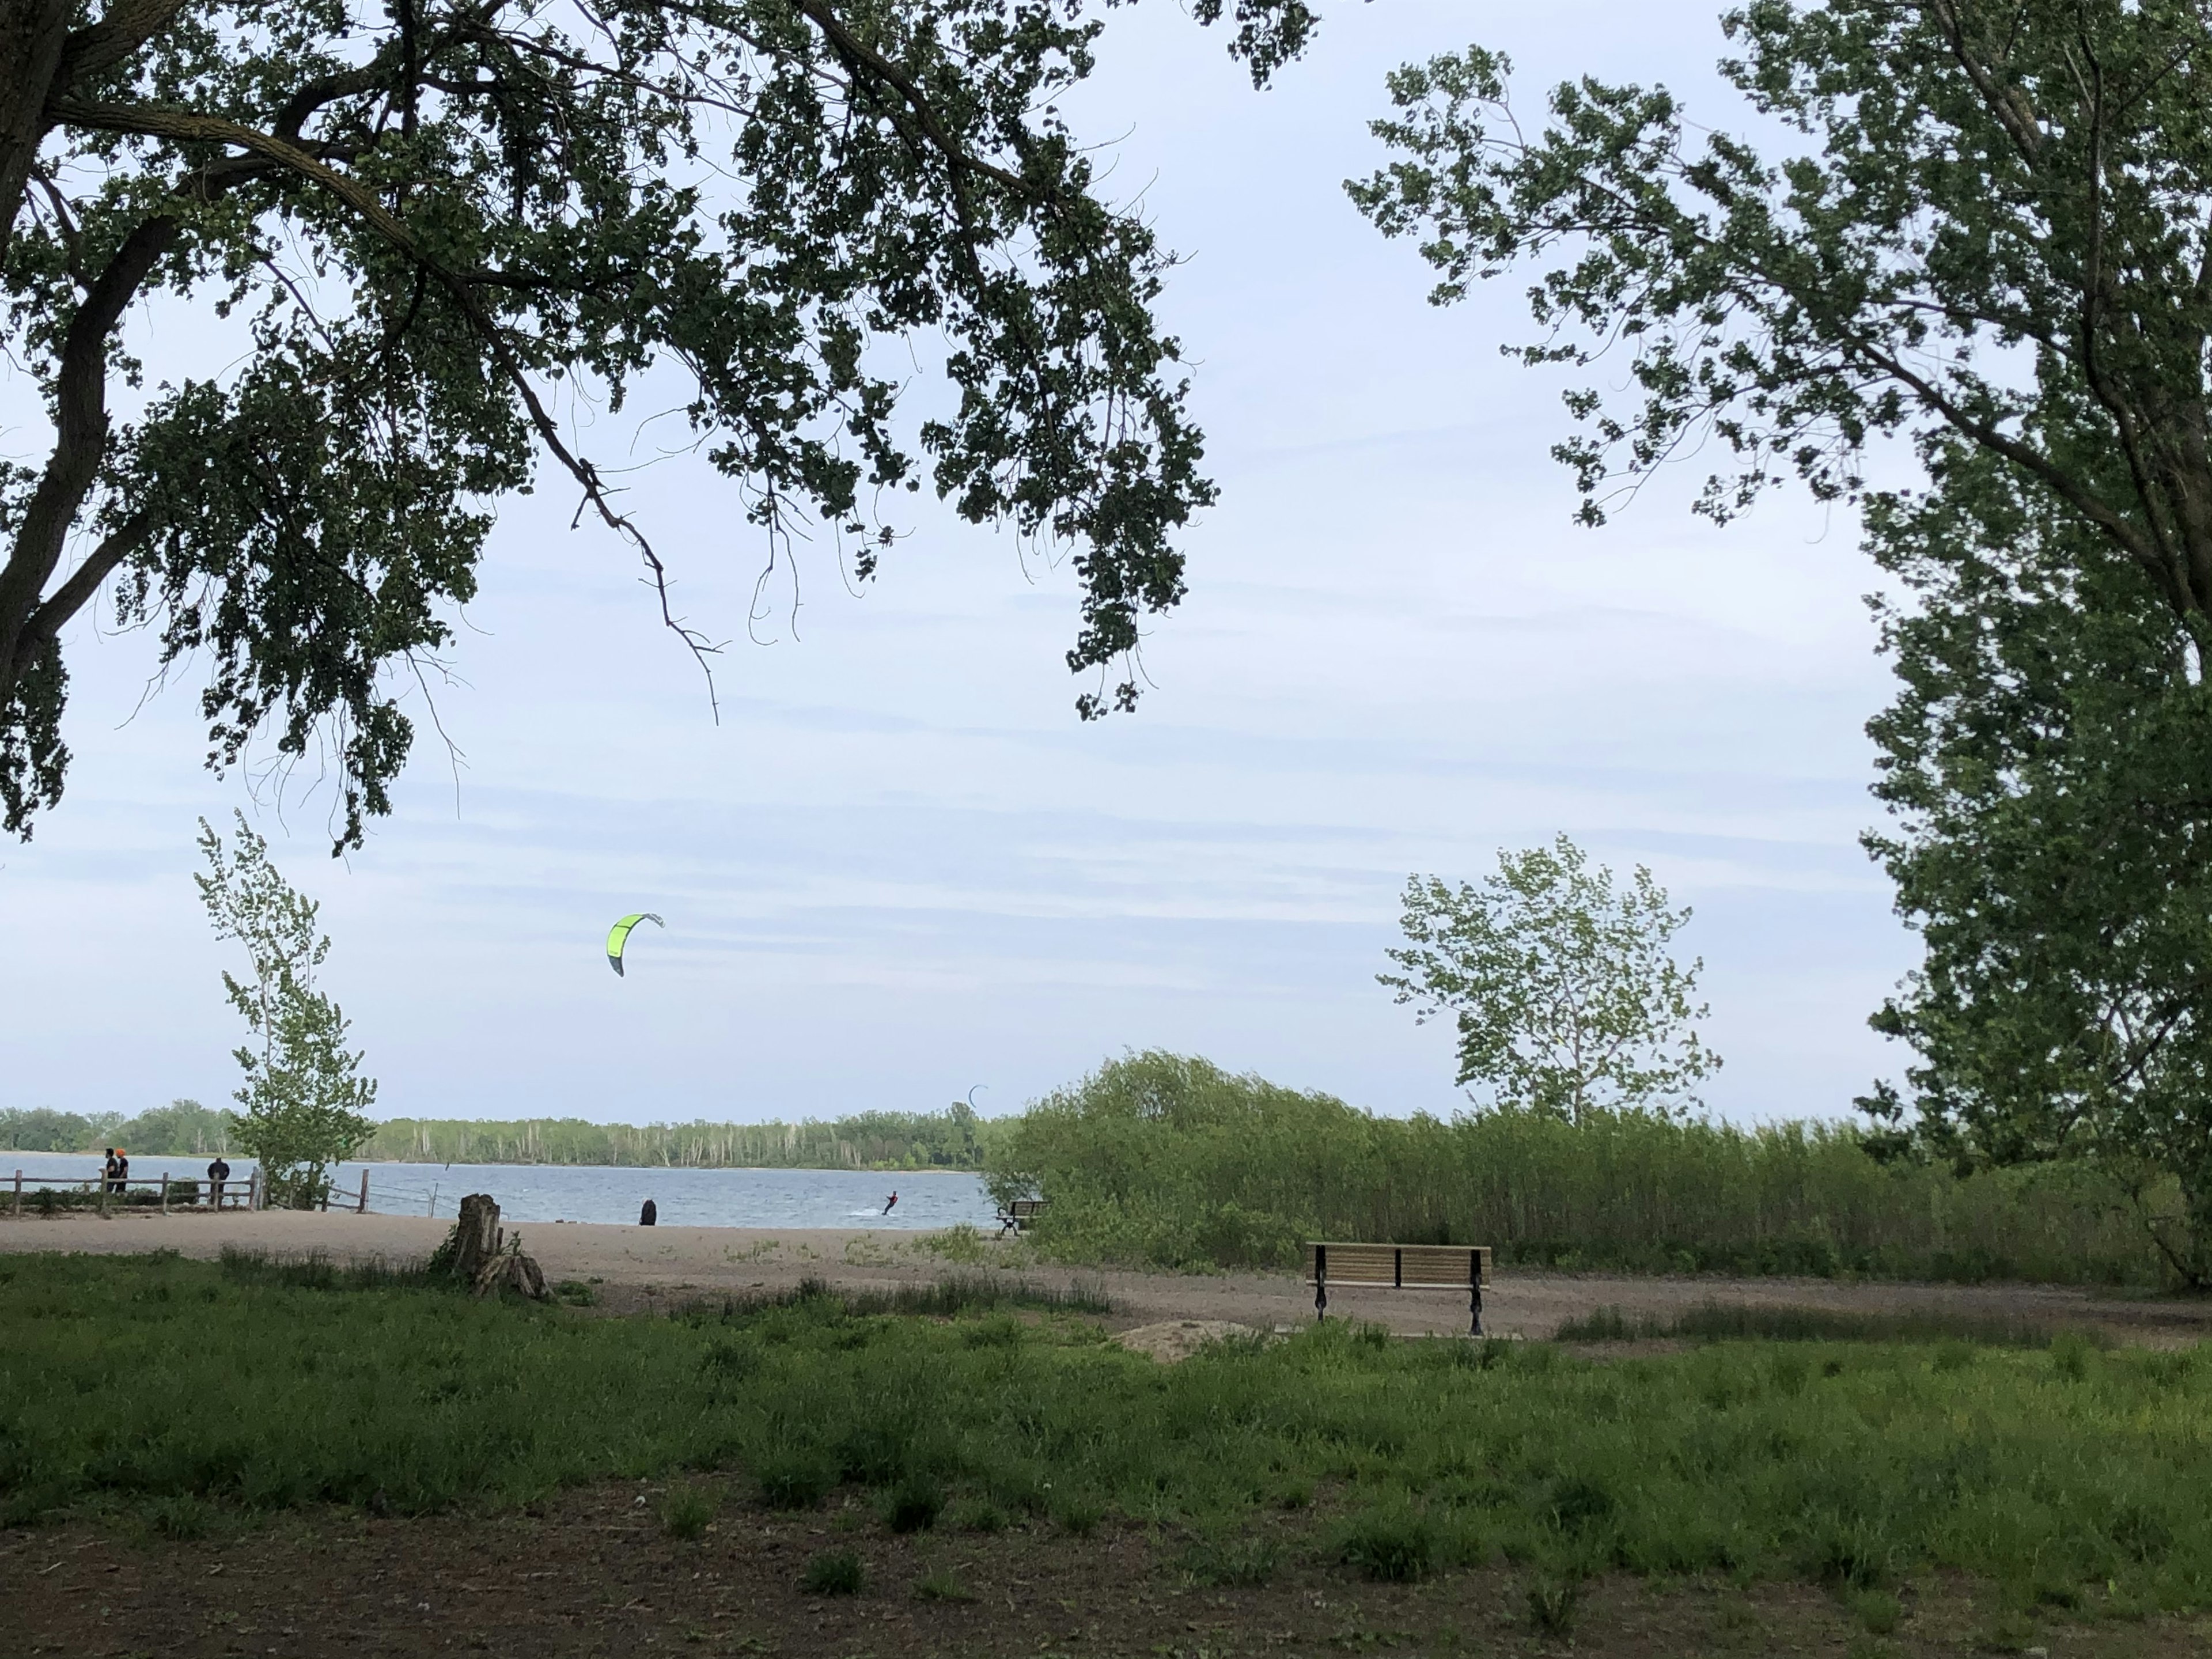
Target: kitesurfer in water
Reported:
point(890, 1203)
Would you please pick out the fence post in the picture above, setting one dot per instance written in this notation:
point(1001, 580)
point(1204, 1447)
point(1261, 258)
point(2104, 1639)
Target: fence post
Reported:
point(19, 1193)
point(164, 1192)
point(363, 1208)
point(253, 1191)
point(104, 1185)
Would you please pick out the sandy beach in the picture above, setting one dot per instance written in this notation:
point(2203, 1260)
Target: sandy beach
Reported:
point(633, 1267)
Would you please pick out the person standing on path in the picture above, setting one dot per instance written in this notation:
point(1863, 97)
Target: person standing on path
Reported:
point(122, 1171)
point(218, 1172)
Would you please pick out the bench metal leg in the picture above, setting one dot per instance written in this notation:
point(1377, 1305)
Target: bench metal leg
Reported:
point(1475, 1307)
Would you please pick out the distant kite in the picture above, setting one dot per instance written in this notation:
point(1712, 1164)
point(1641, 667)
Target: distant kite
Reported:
point(618, 936)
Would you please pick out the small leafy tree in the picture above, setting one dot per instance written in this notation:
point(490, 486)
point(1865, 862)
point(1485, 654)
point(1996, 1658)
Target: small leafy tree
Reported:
point(306, 1103)
point(1565, 994)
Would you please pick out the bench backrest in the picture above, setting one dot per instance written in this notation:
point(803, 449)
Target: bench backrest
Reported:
point(1404, 1266)
point(1022, 1208)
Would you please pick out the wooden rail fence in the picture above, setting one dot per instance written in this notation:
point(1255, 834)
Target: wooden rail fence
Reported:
point(235, 1194)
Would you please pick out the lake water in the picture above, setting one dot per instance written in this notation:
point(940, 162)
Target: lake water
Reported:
point(559, 1192)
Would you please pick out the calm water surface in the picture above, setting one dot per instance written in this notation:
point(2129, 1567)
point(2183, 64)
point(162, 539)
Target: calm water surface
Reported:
point(553, 1192)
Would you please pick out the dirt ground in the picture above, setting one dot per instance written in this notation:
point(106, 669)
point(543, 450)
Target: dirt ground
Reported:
point(654, 1266)
point(592, 1573)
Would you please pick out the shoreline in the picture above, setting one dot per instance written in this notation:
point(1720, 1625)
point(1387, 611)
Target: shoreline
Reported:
point(548, 1164)
point(634, 1268)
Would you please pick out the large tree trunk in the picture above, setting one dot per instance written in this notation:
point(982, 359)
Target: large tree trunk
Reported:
point(32, 35)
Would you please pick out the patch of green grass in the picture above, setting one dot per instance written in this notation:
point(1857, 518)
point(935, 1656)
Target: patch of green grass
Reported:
point(317, 1271)
point(1725, 1321)
point(1395, 1543)
point(834, 1572)
point(947, 1297)
point(127, 1385)
point(179, 1515)
point(942, 1585)
point(1078, 1515)
point(1877, 1610)
point(963, 1243)
point(978, 1514)
point(793, 1478)
point(1554, 1602)
point(914, 1505)
point(1246, 1559)
point(686, 1511)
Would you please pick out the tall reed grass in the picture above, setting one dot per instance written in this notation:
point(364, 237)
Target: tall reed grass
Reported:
point(1166, 1160)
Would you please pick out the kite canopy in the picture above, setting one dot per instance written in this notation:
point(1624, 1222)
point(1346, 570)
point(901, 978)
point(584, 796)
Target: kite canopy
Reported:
point(618, 936)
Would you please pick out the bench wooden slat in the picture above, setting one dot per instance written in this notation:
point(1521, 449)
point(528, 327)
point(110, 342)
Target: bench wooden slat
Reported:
point(1403, 1267)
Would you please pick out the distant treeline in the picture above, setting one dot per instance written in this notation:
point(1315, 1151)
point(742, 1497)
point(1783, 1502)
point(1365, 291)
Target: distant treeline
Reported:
point(183, 1128)
point(1162, 1160)
point(954, 1139)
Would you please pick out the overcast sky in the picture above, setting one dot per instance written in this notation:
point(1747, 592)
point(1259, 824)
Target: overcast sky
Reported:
point(901, 867)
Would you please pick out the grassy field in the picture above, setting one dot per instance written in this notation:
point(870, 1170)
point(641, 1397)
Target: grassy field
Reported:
point(182, 1394)
point(1163, 1160)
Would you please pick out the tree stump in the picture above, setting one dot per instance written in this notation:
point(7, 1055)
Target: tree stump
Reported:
point(511, 1270)
point(482, 1259)
point(477, 1236)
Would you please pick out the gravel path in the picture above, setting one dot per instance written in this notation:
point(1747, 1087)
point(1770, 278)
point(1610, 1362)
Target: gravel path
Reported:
point(644, 1267)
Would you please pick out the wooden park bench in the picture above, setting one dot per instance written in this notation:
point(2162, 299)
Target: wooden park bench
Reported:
point(1018, 1214)
point(1402, 1267)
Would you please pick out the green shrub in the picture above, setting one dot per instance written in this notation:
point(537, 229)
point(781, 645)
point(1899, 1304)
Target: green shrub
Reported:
point(834, 1572)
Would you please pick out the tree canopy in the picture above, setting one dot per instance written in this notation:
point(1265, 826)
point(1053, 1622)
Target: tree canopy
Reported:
point(1985, 230)
point(1998, 231)
point(430, 228)
point(2046, 762)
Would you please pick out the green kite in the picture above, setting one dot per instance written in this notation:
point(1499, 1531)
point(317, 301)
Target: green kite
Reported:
point(618, 936)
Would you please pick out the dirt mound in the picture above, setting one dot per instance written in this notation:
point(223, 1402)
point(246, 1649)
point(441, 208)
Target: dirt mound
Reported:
point(1173, 1339)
